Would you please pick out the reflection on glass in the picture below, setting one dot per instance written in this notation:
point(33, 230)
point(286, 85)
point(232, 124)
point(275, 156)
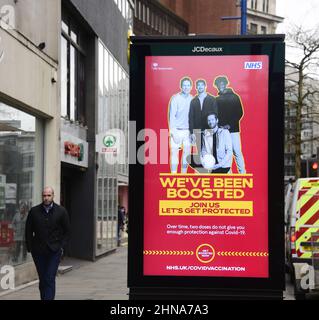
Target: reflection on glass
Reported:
point(73, 84)
point(74, 37)
point(112, 113)
point(17, 165)
point(101, 91)
point(64, 77)
point(111, 72)
point(65, 27)
point(106, 69)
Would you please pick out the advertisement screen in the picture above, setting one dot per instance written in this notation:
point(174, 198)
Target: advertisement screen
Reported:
point(206, 166)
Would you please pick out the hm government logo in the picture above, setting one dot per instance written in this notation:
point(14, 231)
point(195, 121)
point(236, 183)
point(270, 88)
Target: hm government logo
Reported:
point(156, 67)
point(207, 49)
point(253, 65)
point(109, 141)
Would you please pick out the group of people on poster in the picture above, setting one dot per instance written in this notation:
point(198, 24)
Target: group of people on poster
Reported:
point(211, 123)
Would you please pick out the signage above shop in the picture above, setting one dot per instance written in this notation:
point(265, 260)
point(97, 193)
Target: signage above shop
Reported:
point(108, 142)
point(74, 150)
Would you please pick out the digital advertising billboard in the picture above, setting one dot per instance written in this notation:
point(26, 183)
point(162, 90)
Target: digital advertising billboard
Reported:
point(205, 207)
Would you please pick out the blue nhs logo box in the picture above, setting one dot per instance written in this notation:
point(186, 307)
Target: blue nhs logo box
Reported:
point(255, 65)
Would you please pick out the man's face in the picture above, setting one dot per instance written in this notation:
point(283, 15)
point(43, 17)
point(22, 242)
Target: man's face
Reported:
point(186, 87)
point(47, 196)
point(212, 121)
point(221, 86)
point(200, 87)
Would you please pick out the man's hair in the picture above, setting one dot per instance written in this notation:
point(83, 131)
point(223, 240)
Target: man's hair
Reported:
point(201, 80)
point(218, 80)
point(45, 188)
point(213, 114)
point(186, 79)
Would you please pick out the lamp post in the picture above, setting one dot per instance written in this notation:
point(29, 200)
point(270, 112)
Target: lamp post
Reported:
point(243, 17)
point(243, 8)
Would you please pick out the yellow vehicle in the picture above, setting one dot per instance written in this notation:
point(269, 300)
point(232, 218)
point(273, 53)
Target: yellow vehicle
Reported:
point(302, 235)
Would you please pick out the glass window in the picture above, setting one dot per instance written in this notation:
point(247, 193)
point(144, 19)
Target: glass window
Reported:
point(253, 4)
point(73, 84)
point(263, 29)
point(64, 76)
point(253, 28)
point(72, 72)
point(136, 9)
point(20, 168)
point(106, 71)
point(112, 114)
point(74, 36)
point(266, 6)
point(65, 27)
point(101, 75)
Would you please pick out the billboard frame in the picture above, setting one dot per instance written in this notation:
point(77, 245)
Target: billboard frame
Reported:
point(171, 286)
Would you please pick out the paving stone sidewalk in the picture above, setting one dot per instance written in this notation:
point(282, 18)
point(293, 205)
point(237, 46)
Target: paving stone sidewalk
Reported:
point(104, 279)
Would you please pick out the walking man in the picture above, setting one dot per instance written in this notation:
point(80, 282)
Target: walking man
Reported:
point(47, 232)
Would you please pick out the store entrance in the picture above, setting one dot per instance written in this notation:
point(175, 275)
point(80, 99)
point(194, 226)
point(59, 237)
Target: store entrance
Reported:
point(67, 182)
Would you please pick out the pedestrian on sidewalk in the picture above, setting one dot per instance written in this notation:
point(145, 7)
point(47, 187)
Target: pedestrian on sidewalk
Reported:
point(18, 222)
point(47, 232)
point(120, 223)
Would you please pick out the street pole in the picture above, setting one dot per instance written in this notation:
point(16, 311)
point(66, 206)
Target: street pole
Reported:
point(243, 17)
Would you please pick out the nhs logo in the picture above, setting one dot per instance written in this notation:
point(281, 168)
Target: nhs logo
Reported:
point(253, 65)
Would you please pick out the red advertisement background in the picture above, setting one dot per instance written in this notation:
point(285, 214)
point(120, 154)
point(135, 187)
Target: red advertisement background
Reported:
point(163, 75)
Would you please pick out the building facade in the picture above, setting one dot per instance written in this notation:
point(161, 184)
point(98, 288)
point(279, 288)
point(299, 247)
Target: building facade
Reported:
point(211, 17)
point(29, 120)
point(153, 18)
point(66, 85)
point(261, 17)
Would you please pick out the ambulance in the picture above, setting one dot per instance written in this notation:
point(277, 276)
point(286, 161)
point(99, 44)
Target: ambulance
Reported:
point(302, 235)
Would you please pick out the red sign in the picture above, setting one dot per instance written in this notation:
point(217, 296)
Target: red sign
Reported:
point(207, 214)
point(73, 150)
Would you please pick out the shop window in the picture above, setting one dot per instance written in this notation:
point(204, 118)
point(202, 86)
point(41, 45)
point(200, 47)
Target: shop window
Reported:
point(20, 170)
point(112, 114)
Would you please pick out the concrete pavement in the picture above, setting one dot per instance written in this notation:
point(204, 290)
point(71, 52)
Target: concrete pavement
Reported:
point(104, 279)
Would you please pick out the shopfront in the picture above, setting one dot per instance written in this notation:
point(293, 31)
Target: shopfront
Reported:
point(21, 175)
point(112, 170)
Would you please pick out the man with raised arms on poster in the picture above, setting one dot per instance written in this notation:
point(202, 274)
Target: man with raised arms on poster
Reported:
point(230, 112)
point(178, 125)
point(200, 107)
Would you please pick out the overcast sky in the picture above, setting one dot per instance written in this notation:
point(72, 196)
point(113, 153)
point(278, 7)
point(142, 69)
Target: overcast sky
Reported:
point(300, 12)
point(303, 13)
